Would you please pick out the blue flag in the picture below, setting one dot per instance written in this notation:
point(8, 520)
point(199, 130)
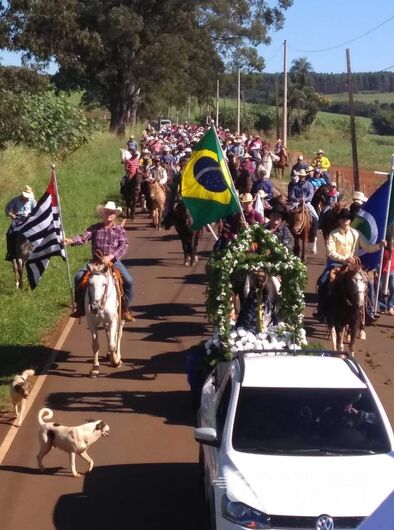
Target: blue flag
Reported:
point(370, 222)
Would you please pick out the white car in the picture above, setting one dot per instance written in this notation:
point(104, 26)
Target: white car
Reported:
point(293, 441)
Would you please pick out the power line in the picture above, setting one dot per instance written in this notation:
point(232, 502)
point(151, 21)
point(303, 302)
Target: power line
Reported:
point(346, 42)
point(388, 68)
point(273, 56)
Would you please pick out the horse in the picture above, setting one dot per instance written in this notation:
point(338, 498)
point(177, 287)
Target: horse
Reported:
point(279, 165)
point(130, 190)
point(300, 225)
point(158, 199)
point(320, 199)
point(189, 238)
point(19, 250)
point(103, 307)
point(346, 304)
point(328, 220)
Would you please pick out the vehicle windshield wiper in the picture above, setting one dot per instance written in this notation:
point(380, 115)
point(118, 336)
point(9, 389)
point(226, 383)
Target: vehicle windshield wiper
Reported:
point(306, 450)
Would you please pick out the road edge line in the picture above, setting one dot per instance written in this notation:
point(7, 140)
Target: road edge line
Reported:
point(13, 431)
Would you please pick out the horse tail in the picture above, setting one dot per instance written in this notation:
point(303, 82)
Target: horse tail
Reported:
point(44, 414)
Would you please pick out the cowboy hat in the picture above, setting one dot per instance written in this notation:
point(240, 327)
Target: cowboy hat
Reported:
point(246, 197)
point(246, 156)
point(359, 196)
point(109, 205)
point(278, 209)
point(27, 192)
point(300, 157)
point(310, 168)
point(344, 214)
point(301, 173)
point(262, 194)
point(320, 152)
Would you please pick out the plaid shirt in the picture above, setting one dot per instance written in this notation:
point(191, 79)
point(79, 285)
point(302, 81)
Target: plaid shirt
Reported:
point(110, 241)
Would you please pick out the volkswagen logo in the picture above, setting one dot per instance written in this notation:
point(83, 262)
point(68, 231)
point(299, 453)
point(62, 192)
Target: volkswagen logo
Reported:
point(325, 522)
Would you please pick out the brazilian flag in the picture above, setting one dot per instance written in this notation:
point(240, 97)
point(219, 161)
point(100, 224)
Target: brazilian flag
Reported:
point(207, 188)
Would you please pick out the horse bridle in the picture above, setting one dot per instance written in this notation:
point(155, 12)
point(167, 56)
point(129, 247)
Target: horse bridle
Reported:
point(101, 303)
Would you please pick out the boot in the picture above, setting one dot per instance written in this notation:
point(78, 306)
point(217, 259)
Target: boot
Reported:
point(127, 315)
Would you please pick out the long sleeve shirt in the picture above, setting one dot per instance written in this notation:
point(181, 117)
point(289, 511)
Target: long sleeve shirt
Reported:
point(302, 190)
point(265, 185)
point(20, 208)
point(322, 162)
point(344, 244)
point(110, 241)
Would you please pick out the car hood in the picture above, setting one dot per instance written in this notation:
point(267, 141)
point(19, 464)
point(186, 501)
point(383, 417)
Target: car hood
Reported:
point(309, 486)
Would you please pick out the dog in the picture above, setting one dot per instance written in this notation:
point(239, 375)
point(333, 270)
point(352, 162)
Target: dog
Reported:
point(72, 440)
point(20, 389)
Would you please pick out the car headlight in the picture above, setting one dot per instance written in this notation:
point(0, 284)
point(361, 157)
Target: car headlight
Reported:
point(244, 515)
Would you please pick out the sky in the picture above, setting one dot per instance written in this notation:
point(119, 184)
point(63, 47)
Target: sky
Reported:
point(322, 24)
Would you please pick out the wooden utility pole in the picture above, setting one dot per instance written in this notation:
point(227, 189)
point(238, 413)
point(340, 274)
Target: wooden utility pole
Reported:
point(277, 109)
point(356, 174)
point(284, 134)
point(239, 103)
point(217, 102)
point(189, 104)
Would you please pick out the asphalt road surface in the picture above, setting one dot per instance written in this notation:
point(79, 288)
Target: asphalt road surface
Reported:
point(146, 474)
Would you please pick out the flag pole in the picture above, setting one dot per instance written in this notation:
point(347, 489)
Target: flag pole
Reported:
point(53, 175)
point(390, 177)
point(235, 193)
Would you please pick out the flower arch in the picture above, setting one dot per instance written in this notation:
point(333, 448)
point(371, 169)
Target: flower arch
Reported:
point(254, 249)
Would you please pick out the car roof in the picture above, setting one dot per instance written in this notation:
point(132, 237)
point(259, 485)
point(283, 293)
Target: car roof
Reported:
point(301, 371)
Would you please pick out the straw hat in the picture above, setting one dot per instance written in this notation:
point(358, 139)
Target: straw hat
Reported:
point(320, 152)
point(246, 197)
point(359, 196)
point(262, 194)
point(27, 192)
point(301, 173)
point(109, 205)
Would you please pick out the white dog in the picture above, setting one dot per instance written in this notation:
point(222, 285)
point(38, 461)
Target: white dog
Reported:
point(73, 440)
point(20, 389)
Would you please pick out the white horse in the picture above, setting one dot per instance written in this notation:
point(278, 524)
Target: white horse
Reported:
point(103, 306)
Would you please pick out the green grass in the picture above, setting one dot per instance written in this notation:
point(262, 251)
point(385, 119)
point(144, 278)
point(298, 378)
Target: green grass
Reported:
point(87, 178)
point(366, 97)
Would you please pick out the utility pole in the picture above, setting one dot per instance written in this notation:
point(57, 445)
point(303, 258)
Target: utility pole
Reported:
point(217, 102)
point(356, 174)
point(239, 103)
point(284, 94)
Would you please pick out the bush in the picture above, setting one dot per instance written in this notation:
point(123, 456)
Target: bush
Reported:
point(383, 122)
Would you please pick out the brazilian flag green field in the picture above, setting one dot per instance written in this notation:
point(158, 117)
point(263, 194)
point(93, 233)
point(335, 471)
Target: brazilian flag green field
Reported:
point(207, 188)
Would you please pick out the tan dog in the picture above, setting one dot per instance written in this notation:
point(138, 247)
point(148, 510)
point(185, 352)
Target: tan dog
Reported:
point(72, 440)
point(20, 389)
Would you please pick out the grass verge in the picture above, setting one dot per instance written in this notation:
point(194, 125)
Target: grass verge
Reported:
point(87, 178)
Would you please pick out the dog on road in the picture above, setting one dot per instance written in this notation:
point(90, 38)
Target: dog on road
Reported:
point(72, 440)
point(20, 389)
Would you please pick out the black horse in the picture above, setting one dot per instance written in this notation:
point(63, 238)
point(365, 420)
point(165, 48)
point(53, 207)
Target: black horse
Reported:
point(130, 191)
point(18, 251)
point(180, 219)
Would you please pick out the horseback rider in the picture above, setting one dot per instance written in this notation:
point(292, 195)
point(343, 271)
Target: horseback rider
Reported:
point(342, 246)
point(322, 162)
point(158, 173)
point(302, 193)
point(358, 200)
point(18, 209)
point(109, 244)
point(264, 183)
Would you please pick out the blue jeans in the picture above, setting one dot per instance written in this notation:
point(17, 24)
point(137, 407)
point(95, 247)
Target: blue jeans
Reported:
point(387, 302)
point(126, 277)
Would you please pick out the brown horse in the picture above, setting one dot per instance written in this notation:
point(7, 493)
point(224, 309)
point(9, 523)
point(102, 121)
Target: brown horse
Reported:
point(280, 165)
point(158, 199)
point(189, 238)
point(19, 250)
point(329, 220)
point(346, 304)
point(300, 226)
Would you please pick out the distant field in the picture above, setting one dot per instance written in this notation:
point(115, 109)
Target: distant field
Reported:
point(366, 97)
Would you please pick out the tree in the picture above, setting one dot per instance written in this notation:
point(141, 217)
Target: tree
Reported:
point(122, 52)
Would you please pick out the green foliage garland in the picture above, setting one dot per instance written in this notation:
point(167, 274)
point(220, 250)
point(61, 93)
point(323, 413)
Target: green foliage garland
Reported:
point(229, 266)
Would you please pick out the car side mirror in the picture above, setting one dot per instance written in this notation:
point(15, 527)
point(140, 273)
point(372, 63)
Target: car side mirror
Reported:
point(206, 436)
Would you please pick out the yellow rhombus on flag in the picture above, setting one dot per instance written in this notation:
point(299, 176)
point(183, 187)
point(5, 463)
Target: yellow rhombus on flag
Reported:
point(207, 188)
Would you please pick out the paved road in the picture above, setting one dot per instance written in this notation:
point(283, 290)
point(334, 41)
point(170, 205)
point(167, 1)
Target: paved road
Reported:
point(146, 474)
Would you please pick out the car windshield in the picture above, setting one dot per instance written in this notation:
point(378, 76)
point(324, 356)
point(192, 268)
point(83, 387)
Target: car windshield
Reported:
point(308, 421)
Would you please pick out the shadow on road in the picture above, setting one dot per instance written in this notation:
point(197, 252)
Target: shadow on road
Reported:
point(174, 406)
point(143, 496)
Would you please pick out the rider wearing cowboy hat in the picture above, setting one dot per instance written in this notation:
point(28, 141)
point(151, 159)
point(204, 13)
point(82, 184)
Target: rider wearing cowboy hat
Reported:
point(277, 226)
point(109, 244)
point(358, 200)
point(18, 209)
point(342, 246)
